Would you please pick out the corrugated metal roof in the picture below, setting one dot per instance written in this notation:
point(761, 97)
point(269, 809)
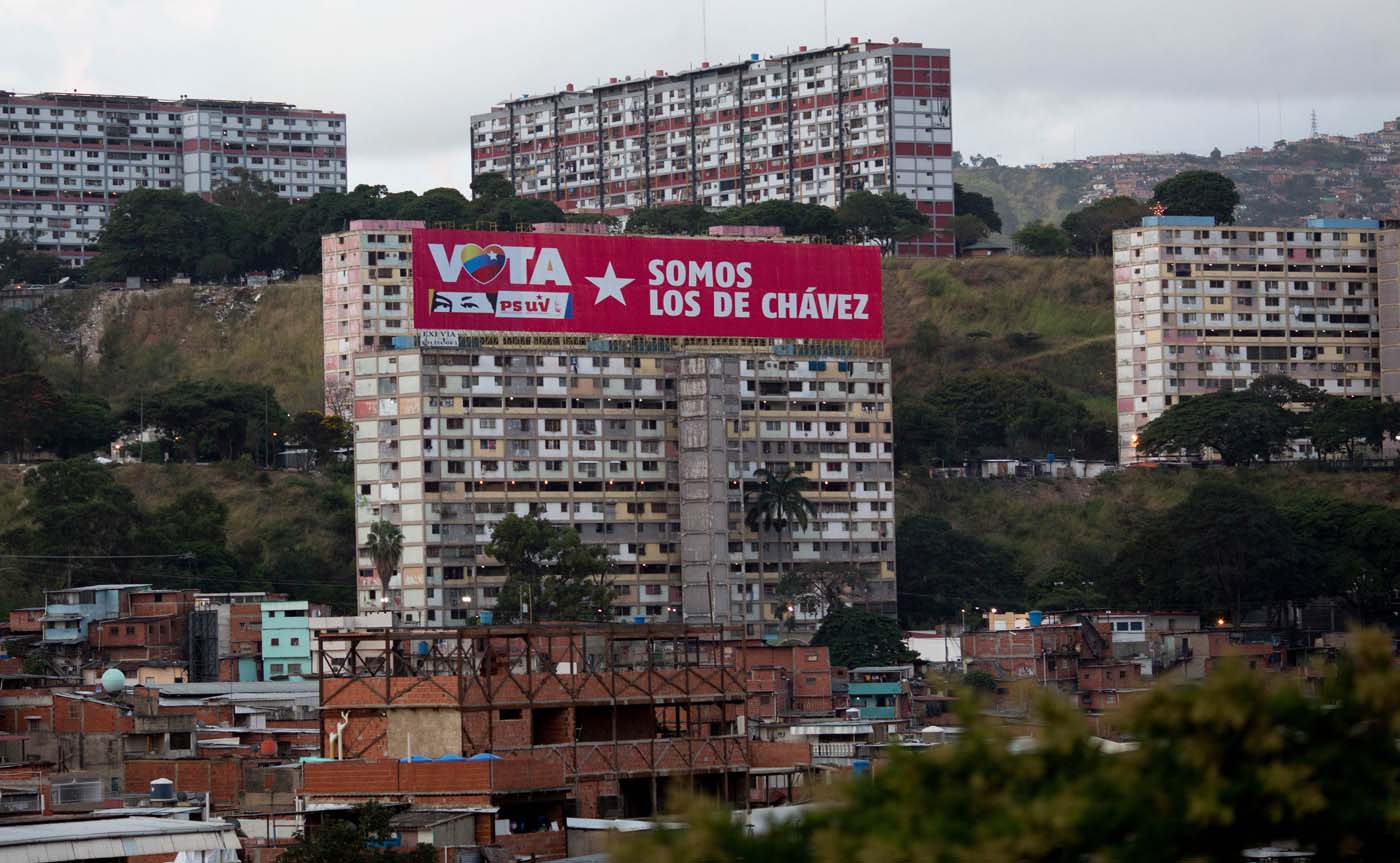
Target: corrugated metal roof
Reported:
point(57, 841)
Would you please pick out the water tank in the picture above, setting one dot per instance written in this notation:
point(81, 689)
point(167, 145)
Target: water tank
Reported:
point(487, 617)
point(860, 765)
point(1035, 617)
point(113, 681)
point(163, 790)
point(640, 618)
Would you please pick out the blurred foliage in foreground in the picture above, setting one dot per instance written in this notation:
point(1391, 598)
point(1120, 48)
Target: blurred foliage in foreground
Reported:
point(1240, 761)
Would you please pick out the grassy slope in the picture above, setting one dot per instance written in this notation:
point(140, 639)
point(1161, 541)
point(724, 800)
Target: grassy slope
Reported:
point(163, 335)
point(1067, 303)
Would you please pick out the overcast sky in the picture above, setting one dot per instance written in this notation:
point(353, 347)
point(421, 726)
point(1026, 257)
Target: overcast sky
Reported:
point(1033, 80)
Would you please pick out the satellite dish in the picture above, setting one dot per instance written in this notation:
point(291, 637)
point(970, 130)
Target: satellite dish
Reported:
point(113, 681)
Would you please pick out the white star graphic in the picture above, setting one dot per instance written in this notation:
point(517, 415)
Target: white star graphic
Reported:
point(609, 286)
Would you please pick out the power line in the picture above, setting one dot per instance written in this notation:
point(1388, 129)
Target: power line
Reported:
point(184, 555)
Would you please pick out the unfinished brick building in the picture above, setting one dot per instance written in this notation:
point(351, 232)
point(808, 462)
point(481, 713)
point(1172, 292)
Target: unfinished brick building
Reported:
point(625, 714)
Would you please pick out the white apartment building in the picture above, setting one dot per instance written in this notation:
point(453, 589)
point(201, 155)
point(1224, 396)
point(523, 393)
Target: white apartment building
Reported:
point(65, 158)
point(1201, 307)
point(807, 126)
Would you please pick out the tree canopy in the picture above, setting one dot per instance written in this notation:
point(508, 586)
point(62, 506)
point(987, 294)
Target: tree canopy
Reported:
point(1199, 193)
point(246, 227)
point(1240, 761)
point(1041, 240)
point(550, 573)
point(857, 637)
point(1091, 228)
point(943, 571)
point(976, 204)
point(1241, 425)
point(365, 836)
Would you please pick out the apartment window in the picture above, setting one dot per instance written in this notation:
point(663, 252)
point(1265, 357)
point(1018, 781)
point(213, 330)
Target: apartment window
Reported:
point(274, 642)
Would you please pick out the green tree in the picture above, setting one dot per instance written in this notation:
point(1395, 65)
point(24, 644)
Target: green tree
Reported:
point(363, 837)
point(885, 219)
point(213, 267)
point(857, 637)
point(1091, 229)
point(1199, 193)
point(518, 214)
point(213, 417)
point(683, 219)
point(976, 204)
point(1242, 426)
point(491, 186)
point(822, 586)
point(385, 548)
point(778, 501)
point(1341, 424)
point(795, 219)
point(78, 508)
point(943, 571)
point(16, 346)
point(322, 434)
point(967, 230)
point(550, 573)
point(82, 423)
point(245, 192)
point(1041, 240)
point(28, 403)
point(1241, 761)
point(156, 233)
point(1223, 548)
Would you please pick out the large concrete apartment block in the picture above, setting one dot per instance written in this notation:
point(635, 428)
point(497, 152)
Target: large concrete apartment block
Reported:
point(648, 450)
point(1388, 273)
point(1201, 307)
point(808, 126)
point(66, 158)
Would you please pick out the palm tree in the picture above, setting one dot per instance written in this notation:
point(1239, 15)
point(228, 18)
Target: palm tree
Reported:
point(776, 504)
point(385, 549)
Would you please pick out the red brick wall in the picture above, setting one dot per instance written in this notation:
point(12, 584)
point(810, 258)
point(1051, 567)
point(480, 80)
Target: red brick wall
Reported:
point(75, 716)
point(546, 845)
point(221, 779)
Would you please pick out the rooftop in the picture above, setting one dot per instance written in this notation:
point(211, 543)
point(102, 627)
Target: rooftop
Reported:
point(118, 838)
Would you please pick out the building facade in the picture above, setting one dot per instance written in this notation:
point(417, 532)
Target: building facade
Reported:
point(367, 292)
point(593, 434)
point(286, 637)
point(1388, 297)
point(808, 127)
point(65, 158)
point(1203, 308)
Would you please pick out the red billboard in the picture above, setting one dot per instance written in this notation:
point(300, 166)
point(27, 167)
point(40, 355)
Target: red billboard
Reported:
point(577, 283)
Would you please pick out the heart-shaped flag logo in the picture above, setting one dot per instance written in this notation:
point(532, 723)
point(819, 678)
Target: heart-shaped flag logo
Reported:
point(483, 264)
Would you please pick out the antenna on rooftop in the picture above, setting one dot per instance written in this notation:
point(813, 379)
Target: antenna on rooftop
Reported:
point(1314, 122)
point(704, 30)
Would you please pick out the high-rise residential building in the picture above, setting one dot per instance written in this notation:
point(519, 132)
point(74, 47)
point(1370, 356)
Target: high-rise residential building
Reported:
point(645, 444)
point(808, 126)
point(1388, 292)
point(1201, 308)
point(366, 302)
point(65, 158)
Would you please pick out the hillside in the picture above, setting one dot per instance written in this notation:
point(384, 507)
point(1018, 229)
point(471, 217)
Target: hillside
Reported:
point(1049, 316)
point(1043, 524)
point(121, 343)
point(278, 531)
point(1326, 175)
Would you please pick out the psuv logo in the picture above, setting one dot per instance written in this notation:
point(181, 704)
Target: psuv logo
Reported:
point(477, 270)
